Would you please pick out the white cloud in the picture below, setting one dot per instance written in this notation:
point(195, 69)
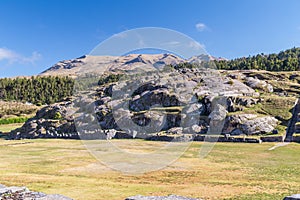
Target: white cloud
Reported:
point(14, 57)
point(172, 43)
point(120, 35)
point(200, 27)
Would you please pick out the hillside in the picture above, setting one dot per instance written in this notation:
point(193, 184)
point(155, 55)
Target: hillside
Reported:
point(256, 102)
point(288, 60)
point(252, 103)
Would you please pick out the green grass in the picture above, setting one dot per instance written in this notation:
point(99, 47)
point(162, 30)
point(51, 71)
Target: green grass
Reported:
point(278, 107)
point(13, 120)
point(8, 127)
point(230, 171)
point(275, 106)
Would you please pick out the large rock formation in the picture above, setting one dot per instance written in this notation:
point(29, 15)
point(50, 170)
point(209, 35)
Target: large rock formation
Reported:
point(50, 122)
point(177, 100)
point(249, 124)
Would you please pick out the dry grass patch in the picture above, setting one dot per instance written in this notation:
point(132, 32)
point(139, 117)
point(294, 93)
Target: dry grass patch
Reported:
point(230, 171)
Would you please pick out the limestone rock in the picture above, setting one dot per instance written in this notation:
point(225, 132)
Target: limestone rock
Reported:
point(23, 193)
point(259, 125)
point(249, 124)
point(255, 83)
point(48, 124)
point(292, 197)
point(175, 130)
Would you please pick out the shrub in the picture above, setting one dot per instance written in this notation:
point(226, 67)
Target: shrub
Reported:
point(57, 115)
point(13, 120)
point(109, 79)
point(230, 82)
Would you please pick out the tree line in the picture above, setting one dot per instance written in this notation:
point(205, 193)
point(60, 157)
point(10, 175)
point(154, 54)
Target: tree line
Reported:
point(288, 60)
point(36, 89)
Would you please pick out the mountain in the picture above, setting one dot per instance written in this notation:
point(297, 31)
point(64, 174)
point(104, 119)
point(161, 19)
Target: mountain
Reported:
point(288, 60)
point(205, 57)
point(129, 62)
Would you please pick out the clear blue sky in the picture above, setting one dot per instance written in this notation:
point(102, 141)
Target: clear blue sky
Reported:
point(36, 34)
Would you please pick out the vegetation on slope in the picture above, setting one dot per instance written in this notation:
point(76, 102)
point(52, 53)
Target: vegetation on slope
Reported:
point(288, 60)
point(16, 109)
point(13, 120)
point(36, 90)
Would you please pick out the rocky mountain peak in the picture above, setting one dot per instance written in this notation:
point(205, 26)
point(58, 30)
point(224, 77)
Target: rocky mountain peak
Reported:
point(129, 62)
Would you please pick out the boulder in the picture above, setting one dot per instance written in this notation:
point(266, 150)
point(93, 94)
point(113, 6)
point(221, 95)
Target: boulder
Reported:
point(292, 197)
point(51, 112)
point(196, 128)
point(175, 130)
point(236, 131)
point(12, 193)
point(255, 83)
point(249, 124)
point(148, 99)
point(259, 125)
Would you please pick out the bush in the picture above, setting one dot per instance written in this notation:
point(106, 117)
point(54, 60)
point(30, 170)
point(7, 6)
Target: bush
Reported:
point(57, 115)
point(110, 79)
point(14, 120)
point(230, 82)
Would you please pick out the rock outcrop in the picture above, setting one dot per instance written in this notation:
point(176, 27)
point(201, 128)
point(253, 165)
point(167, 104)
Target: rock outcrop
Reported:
point(249, 124)
point(176, 100)
point(292, 197)
point(23, 193)
point(50, 122)
point(255, 83)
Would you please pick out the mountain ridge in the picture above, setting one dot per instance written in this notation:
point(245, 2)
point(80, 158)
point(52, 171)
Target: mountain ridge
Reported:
point(92, 63)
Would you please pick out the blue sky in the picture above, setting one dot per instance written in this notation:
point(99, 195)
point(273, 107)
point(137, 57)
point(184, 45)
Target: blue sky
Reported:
point(36, 34)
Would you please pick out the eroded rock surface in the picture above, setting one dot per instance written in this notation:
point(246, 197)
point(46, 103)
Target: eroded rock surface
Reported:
point(249, 124)
point(176, 101)
point(23, 193)
point(292, 197)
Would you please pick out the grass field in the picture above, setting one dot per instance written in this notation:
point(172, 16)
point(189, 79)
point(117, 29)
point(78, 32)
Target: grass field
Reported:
point(8, 127)
point(230, 171)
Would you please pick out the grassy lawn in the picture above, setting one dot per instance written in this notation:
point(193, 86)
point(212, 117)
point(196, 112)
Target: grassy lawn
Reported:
point(230, 171)
point(8, 127)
